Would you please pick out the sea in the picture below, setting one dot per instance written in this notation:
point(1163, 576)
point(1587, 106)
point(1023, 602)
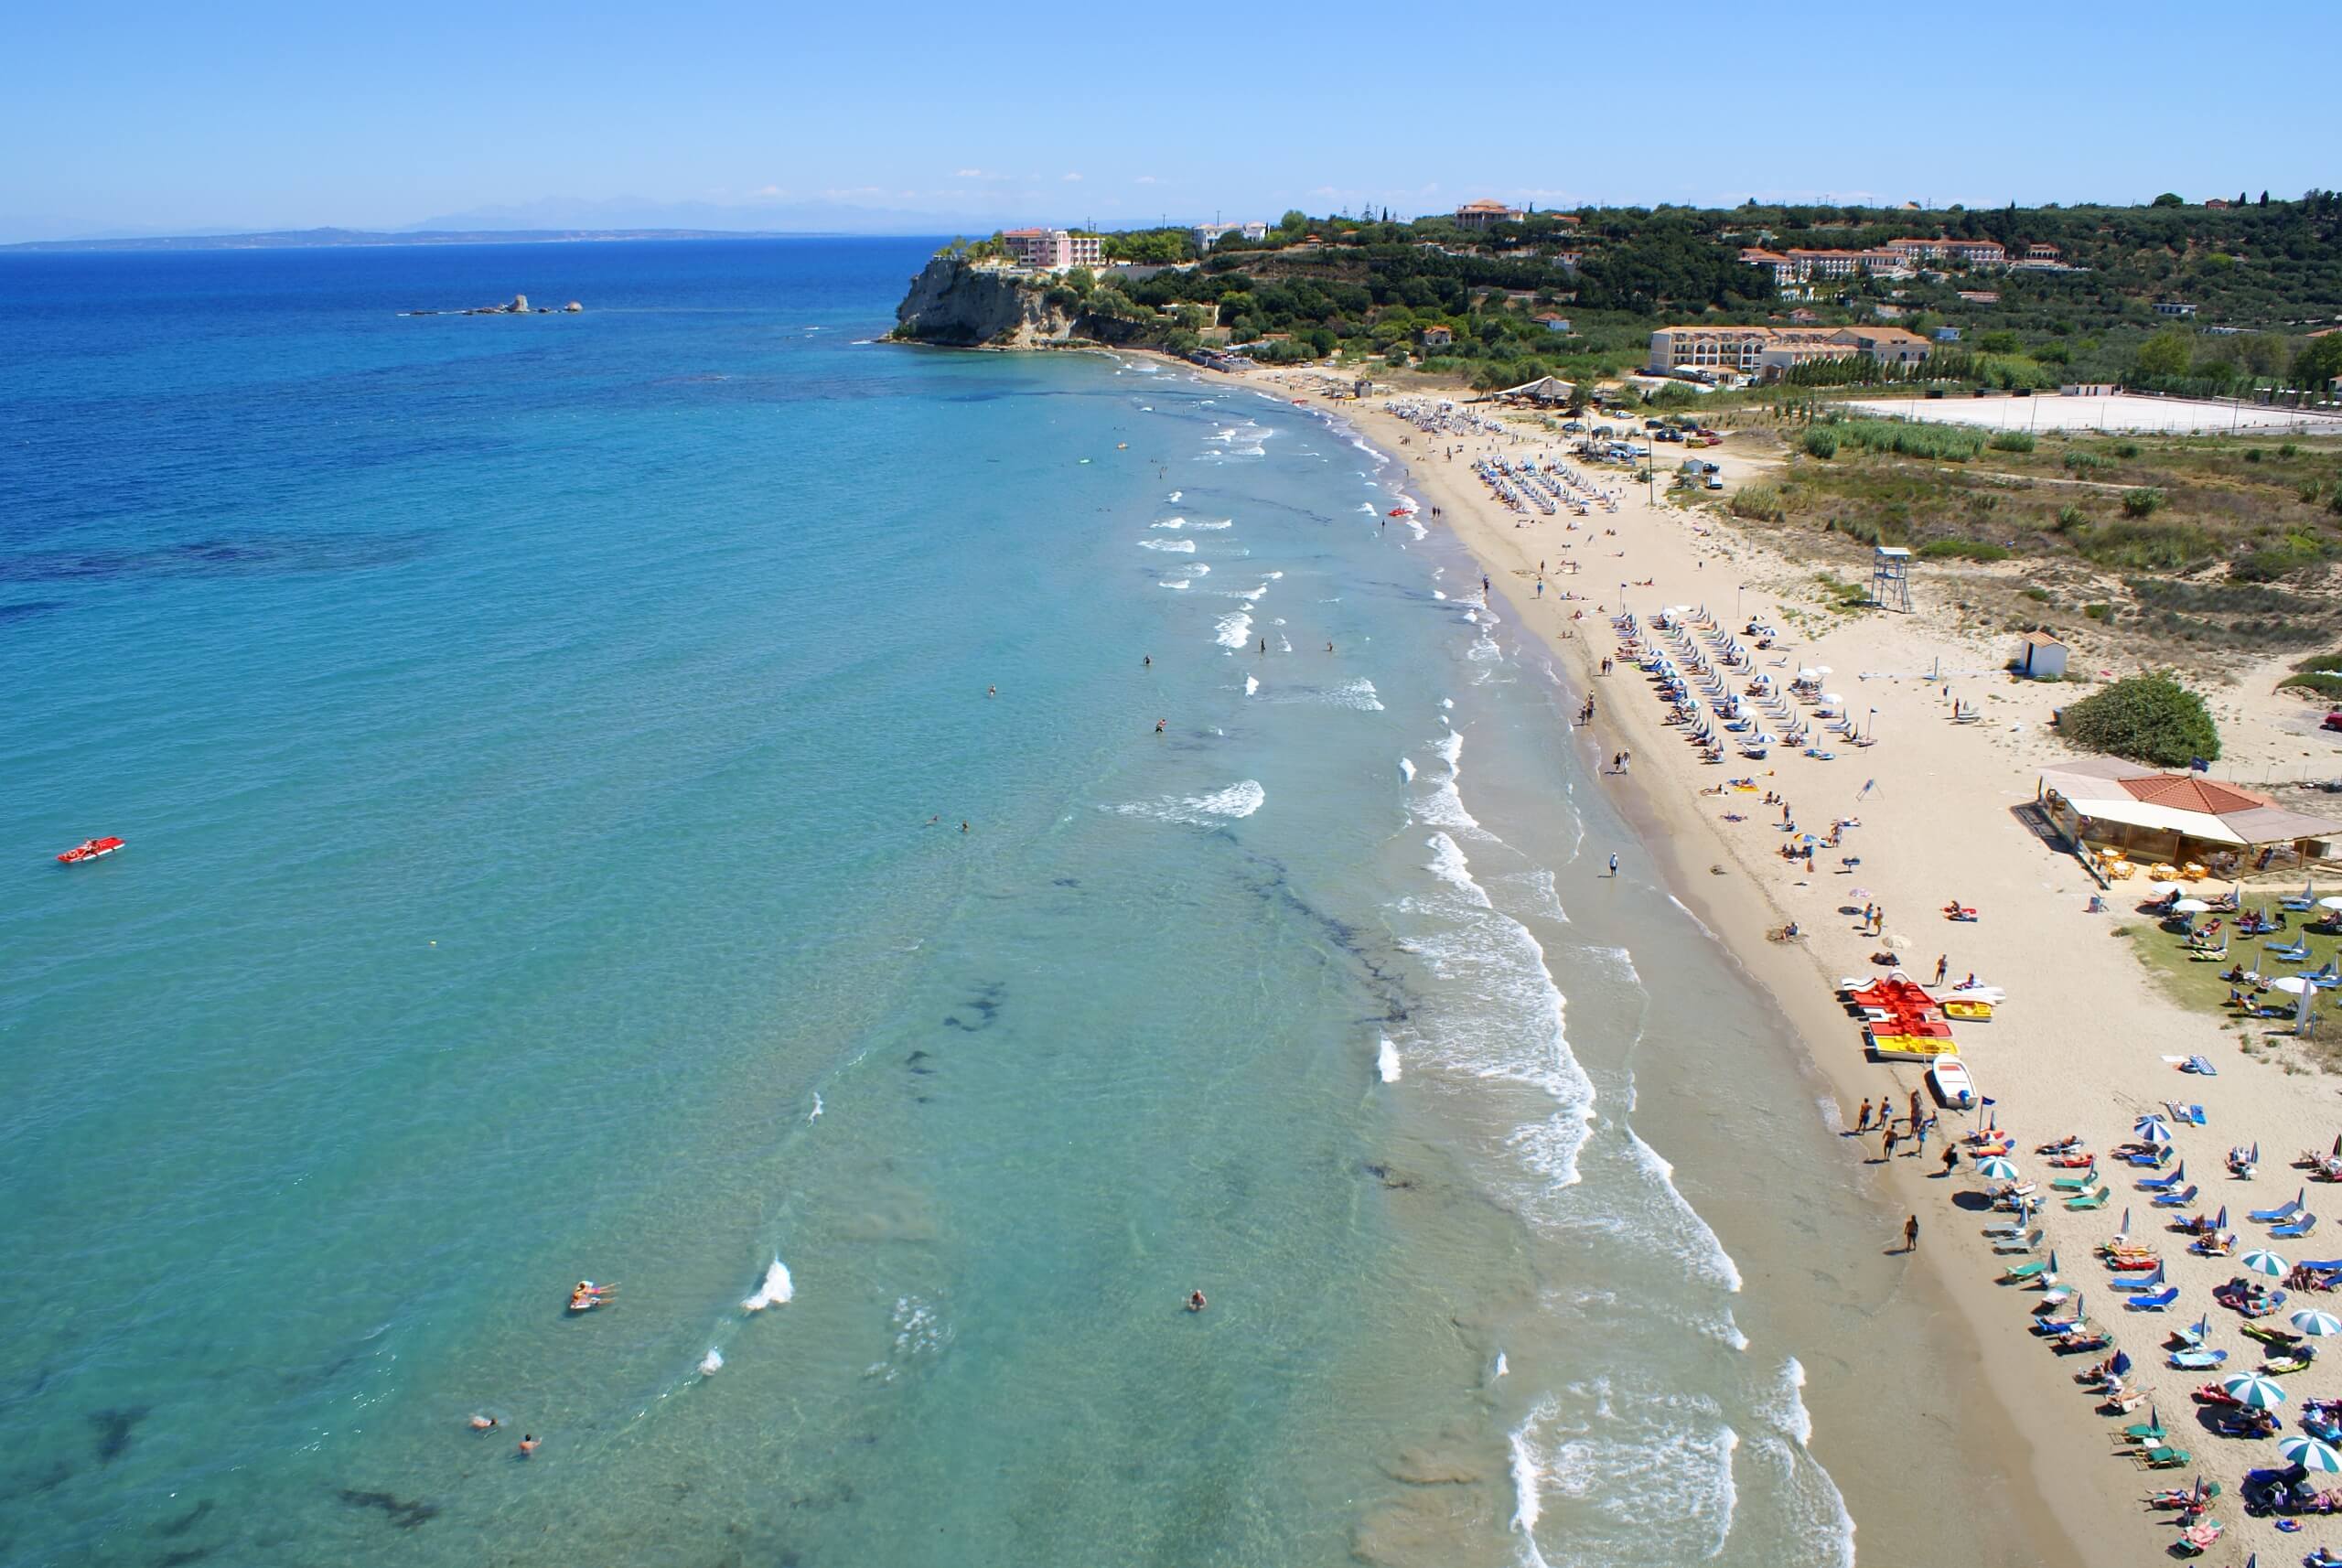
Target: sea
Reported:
point(902, 864)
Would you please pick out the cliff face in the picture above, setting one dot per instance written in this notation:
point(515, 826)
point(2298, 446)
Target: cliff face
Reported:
point(954, 303)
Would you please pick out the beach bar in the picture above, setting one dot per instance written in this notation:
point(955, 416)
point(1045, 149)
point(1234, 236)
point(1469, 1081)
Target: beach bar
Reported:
point(2106, 804)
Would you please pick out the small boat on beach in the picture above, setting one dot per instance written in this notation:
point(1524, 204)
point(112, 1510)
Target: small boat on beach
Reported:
point(89, 849)
point(1953, 1085)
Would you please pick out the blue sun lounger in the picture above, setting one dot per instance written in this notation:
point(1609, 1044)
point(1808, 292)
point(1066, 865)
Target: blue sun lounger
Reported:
point(2198, 1360)
point(2154, 1303)
point(2299, 1228)
point(2180, 1199)
point(2284, 1214)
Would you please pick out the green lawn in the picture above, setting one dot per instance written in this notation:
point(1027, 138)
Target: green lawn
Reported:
point(2200, 985)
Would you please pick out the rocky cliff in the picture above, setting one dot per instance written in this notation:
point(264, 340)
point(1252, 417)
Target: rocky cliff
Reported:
point(957, 303)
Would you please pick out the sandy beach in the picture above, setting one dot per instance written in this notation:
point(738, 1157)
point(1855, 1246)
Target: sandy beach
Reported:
point(2084, 1044)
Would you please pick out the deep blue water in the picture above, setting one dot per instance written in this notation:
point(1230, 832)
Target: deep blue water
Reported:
point(543, 745)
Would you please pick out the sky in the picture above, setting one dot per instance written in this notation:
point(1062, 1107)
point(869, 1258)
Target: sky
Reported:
point(921, 117)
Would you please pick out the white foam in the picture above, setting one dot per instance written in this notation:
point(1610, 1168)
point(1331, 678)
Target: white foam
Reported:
point(1692, 1239)
point(1173, 497)
point(1449, 864)
point(711, 1363)
point(1407, 770)
point(1170, 522)
point(1252, 684)
point(816, 1113)
point(1212, 524)
point(775, 1291)
point(1358, 693)
point(1536, 887)
point(1367, 507)
point(1501, 1367)
point(1233, 630)
point(1649, 1472)
point(1386, 1060)
point(1238, 800)
point(1526, 1475)
point(1177, 546)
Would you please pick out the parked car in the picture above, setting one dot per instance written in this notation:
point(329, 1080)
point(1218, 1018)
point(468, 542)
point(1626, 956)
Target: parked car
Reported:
point(1714, 483)
point(2334, 719)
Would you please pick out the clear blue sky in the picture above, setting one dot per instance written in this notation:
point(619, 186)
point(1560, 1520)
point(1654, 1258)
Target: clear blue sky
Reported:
point(272, 112)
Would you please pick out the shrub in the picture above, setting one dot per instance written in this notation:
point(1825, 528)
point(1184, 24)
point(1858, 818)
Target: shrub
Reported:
point(2013, 441)
point(2144, 502)
point(2083, 462)
point(2147, 718)
point(2126, 449)
point(1947, 442)
point(1963, 549)
point(1821, 442)
point(2098, 612)
point(1761, 504)
point(2253, 454)
point(2313, 674)
point(2071, 517)
point(2295, 555)
point(2038, 596)
point(2147, 546)
point(2308, 493)
point(2290, 449)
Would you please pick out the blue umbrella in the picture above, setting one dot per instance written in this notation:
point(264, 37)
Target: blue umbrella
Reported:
point(2154, 1131)
point(1996, 1168)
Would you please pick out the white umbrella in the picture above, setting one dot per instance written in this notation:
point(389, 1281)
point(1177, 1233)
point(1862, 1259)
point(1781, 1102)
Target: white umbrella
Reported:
point(2190, 906)
point(2265, 1262)
point(1822, 670)
point(2311, 1454)
point(2292, 984)
point(2254, 1393)
point(2315, 1324)
point(2164, 889)
point(1833, 699)
point(2332, 901)
point(1994, 1167)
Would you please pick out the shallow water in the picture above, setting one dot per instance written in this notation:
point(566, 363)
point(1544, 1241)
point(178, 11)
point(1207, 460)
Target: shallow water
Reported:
point(543, 745)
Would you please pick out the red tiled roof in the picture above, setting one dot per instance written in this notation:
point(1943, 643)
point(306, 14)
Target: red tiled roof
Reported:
point(2186, 792)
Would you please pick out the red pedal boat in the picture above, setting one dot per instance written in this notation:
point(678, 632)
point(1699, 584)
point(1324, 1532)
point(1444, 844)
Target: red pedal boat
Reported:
point(89, 849)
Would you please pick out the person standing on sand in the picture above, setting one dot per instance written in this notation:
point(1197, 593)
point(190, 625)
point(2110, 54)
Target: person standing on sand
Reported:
point(1614, 864)
point(1861, 1118)
point(1915, 1109)
point(1888, 1143)
point(1943, 966)
point(1911, 1234)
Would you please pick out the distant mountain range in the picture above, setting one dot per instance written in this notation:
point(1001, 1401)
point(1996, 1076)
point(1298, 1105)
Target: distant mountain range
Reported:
point(552, 220)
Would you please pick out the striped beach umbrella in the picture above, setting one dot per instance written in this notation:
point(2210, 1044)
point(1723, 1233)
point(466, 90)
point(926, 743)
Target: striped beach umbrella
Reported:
point(2266, 1264)
point(2254, 1393)
point(2315, 1324)
point(1996, 1168)
point(2311, 1454)
point(2154, 1131)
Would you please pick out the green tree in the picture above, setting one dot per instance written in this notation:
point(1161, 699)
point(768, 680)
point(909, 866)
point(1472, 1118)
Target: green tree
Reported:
point(1295, 222)
point(2167, 199)
point(2318, 361)
point(2166, 354)
point(2147, 718)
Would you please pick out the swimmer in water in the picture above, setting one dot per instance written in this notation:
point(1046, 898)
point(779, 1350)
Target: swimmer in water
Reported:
point(1195, 1300)
point(528, 1443)
point(1329, 647)
point(991, 691)
point(484, 1423)
point(1159, 724)
point(963, 827)
point(1148, 662)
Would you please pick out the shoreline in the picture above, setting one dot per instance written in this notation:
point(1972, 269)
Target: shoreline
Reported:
point(2014, 1429)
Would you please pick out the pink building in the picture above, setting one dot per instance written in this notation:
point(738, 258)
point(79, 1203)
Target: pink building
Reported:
point(1053, 250)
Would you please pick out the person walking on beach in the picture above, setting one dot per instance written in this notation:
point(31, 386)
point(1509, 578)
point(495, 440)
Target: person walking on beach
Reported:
point(1862, 1117)
point(1888, 1143)
point(1943, 966)
point(1951, 1159)
point(1614, 864)
point(1915, 1109)
point(1920, 1148)
point(1911, 1234)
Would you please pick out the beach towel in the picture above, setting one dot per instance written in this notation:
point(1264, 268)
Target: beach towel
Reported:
point(2201, 1065)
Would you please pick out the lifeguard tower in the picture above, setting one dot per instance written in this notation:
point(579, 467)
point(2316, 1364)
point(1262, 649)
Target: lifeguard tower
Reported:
point(1890, 577)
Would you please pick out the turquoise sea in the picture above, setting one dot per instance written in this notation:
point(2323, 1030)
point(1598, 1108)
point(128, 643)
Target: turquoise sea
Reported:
point(543, 745)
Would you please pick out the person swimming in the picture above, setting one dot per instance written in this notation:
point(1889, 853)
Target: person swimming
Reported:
point(1195, 1300)
point(1159, 724)
point(483, 1422)
point(528, 1443)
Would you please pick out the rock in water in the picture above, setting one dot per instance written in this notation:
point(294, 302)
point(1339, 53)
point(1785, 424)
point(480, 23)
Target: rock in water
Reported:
point(572, 308)
point(519, 305)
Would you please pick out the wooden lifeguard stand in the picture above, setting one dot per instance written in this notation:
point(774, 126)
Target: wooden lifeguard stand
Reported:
point(1890, 577)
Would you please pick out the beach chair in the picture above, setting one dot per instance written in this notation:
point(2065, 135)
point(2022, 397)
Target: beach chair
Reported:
point(2089, 1201)
point(2027, 1242)
point(2018, 1274)
point(2154, 1303)
point(2198, 1360)
point(2165, 1184)
point(2162, 1456)
point(2284, 1214)
point(2192, 1338)
point(2082, 1183)
point(2152, 1280)
point(2296, 953)
point(2299, 1228)
point(2141, 1435)
point(2180, 1199)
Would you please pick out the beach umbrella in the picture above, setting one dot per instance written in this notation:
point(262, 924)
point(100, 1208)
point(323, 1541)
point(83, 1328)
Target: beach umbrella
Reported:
point(2221, 1221)
point(2265, 1262)
point(2311, 1454)
point(1995, 1167)
point(2139, 1124)
point(2154, 1131)
point(2291, 985)
point(2316, 1325)
point(2190, 906)
point(2332, 901)
point(2126, 1221)
point(2164, 889)
point(2254, 1391)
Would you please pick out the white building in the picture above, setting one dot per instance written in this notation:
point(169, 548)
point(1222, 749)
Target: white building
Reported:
point(2043, 658)
point(1206, 235)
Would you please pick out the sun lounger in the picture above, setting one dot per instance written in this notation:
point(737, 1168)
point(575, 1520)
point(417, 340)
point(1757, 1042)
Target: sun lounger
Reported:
point(2283, 1214)
point(2165, 1183)
point(2180, 1199)
point(2142, 1434)
point(2018, 1274)
point(2154, 1303)
point(2152, 1280)
point(2082, 1183)
point(2030, 1241)
point(2089, 1201)
point(2299, 1228)
point(2164, 1457)
point(2198, 1360)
